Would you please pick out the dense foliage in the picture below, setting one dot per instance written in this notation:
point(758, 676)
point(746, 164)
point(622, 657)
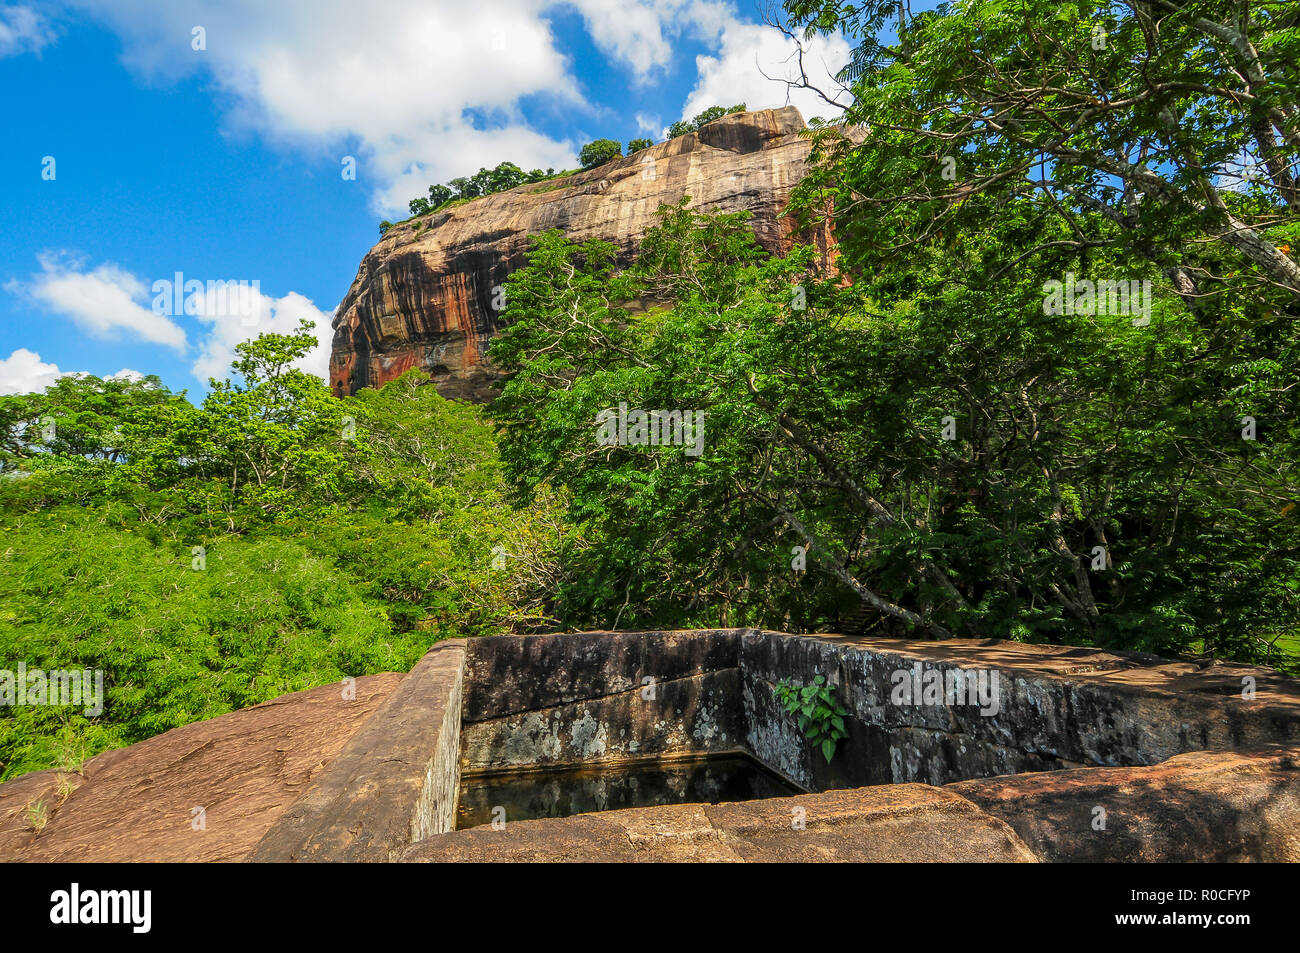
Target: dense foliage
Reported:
point(935, 447)
point(270, 539)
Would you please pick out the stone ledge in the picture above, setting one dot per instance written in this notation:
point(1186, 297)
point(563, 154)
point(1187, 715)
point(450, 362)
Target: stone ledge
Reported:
point(517, 674)
point(1058, 707)
point(1123, 671)
point(905, 822)
point(396, 780)
point(695, 713)
point(1201, 807)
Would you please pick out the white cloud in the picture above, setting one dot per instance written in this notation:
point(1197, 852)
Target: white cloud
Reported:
point(23, 30)
point(638, 32)
point(748, 51)
point(641, 33)
point(106, 301)
point(397, 83)
point(650, 125)
point(23, 372)
point(395, 79)
point(230, 322)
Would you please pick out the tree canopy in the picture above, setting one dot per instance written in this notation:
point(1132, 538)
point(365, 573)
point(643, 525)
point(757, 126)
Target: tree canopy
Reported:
point(1042, 387)
point(702, 118)
point(598, 153)
point(272, 538)
point(1045, 390)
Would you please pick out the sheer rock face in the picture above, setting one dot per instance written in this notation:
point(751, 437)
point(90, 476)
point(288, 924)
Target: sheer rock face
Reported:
point(423, 296)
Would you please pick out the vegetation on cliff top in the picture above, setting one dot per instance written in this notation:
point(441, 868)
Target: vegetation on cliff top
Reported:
point(507, 175)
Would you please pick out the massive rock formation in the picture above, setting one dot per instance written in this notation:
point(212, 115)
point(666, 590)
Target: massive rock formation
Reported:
point(423, 296)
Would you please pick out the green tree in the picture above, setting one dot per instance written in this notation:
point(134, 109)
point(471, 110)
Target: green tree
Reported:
point(948, 459)
point(598, 153)
point(465, 188)
point(176, 644)
point(257, 448)
point(335, 537)
point(636, 145)
point(703, 118)
point(504, 177)
point(78, 416)
point(1040, 152)
point(1190, 160)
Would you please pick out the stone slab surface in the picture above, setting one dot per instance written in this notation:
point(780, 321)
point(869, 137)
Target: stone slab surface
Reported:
point(395, 781)
point(511, 674)
point(1198, 807)
point(244, 768)
point(697, 713)
point(895, 823)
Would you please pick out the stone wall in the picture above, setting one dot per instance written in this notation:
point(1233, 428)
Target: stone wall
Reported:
point(1057, 707)
point(571, 700)
point(1085, 755)
point(394, 783)
point(1182, 765)
point(581, 699)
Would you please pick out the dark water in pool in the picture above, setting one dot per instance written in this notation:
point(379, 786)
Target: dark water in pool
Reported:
point(562, 792)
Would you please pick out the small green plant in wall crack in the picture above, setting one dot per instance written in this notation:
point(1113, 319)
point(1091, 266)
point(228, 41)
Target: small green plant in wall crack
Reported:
point(821, 716)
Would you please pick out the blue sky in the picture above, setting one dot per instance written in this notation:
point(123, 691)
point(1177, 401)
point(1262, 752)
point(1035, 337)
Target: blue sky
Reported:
point(224, 162)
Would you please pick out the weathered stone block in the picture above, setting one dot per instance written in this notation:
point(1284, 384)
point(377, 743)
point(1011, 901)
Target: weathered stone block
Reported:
point(1056, 706)
point(395, 781)
point(510, 674)
point(1202, 807)
point(699, 713)
point(899, 823)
